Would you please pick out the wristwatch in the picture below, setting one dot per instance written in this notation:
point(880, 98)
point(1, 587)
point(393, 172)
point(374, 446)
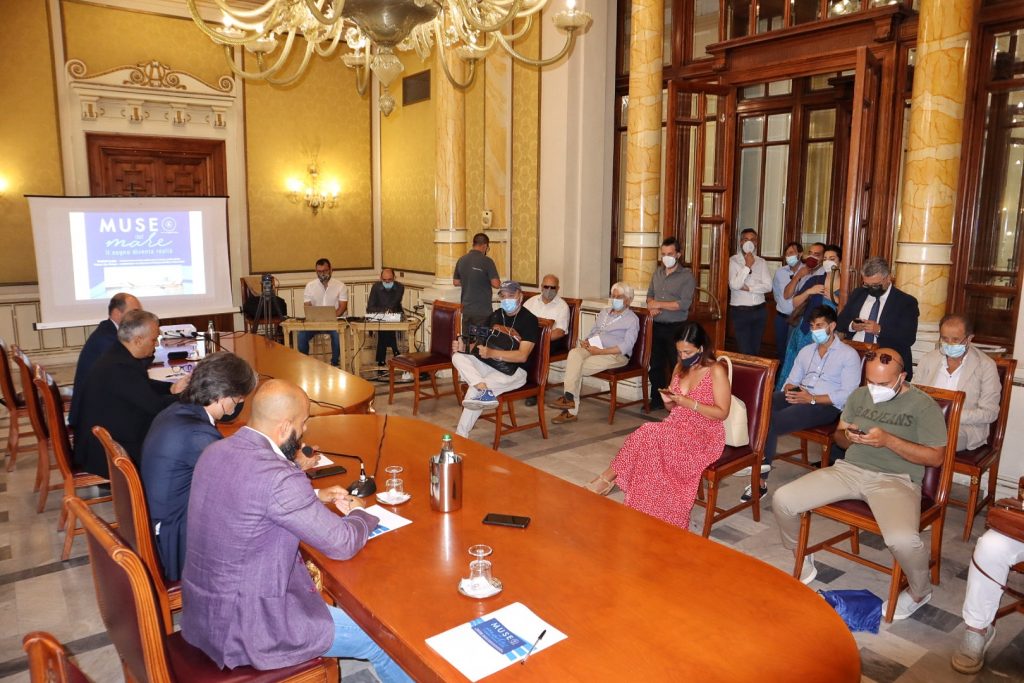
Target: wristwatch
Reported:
point(814, 401)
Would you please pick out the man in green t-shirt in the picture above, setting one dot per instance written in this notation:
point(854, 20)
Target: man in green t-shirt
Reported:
point(891, 431)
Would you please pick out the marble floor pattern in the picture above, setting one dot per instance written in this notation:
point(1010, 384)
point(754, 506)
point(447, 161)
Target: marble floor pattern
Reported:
point(39, 592)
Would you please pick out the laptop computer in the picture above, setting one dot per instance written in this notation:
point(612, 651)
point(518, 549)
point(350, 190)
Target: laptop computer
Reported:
point(321, 314)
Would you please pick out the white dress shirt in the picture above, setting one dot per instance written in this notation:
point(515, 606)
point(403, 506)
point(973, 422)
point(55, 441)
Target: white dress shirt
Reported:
point(318, 295)
point(865, 313)
point(945, 380)
point(556, 310)
point(757, 280)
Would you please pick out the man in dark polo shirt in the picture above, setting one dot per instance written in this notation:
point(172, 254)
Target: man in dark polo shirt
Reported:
point(477, 275)
point(668, 299)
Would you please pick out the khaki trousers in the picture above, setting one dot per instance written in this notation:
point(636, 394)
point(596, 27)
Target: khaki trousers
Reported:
point(581, 363)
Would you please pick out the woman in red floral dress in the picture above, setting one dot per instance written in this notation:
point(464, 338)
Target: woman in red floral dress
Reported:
point(660, 464)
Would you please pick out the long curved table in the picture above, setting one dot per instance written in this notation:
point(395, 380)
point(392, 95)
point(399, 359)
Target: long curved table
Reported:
point(639, 599)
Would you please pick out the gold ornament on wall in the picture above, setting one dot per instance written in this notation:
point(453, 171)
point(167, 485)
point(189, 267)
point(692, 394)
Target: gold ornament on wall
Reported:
point(312, 193)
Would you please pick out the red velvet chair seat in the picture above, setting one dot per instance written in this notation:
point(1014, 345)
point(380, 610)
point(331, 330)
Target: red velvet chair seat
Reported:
point(825, 431)
point(859, 507)
point(191, 664)
point(730, 455)
point(982, 456)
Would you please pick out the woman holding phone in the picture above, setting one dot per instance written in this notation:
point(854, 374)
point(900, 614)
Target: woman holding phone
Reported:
point(660, 464)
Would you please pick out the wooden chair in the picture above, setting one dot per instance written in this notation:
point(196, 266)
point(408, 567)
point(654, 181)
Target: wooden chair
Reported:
point(637, 366)
point(36, 418)
point(48, 662)
point(856, 515)
point(1018, 604)
point(124, 592)
point(14, 401)
point(252, 288)
point(822, 434)
point(445, 322)
point(985, 458)
point(537, 366)
point(72, 478)
point(753, 380)
point(134, 524)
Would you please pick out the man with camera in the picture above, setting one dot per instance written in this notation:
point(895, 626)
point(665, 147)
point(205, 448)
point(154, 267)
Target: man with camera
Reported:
point(491, 358)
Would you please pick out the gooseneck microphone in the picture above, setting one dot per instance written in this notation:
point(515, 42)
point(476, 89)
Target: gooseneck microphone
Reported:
point(363, 486)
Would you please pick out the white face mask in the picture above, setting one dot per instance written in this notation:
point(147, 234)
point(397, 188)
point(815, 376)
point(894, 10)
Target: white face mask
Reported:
point(829, 266)
point(748, 247)
point(669, 261)
point(881, 393)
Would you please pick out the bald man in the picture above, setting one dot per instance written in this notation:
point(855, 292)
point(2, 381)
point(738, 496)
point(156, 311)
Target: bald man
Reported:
point(386, 297)
point(891, 431)
point(101, 339)
point(248, 598)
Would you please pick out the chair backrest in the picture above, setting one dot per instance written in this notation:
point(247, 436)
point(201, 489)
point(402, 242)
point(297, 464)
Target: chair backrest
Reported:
point(47, 661)
point(1006, 367)
point(445, 322)
point(133, 523)
point(753, 380)
point(938, 480)
point(641, 356)
point(540, 357)
point(124, 593)
point(27, 369)
point(861, 347)
point(8, 395)
point(53, 409)
point(571, 338)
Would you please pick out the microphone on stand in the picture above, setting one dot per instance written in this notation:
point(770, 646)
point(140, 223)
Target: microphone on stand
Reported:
point(363, 486)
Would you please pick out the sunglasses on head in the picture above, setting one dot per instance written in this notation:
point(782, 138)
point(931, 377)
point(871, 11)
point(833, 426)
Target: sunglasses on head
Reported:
point(884, 358)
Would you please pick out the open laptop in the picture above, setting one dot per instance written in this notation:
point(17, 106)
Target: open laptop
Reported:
point(320, 314)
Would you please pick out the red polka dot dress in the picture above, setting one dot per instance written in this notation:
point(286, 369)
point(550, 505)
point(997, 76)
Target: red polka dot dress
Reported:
point(660, 464)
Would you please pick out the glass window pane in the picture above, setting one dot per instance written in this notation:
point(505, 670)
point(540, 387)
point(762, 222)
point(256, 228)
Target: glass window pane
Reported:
point(753, 128)
point(773, 216)
point(770, 14)
point(778, 127)
point(622, 193)
point(710, 152)
point(821, 81)
point(992, 316)
point(803, 11)
point(737, 18)
point(666, 37)
point(687, 105)
point(752, 92)
point(750, 188)
point(817, 192)
point(664, 106)
point(627, 23)
point(705, 26)
point(1008, 55)
point(780, 87)
point(822, 123)
point(623, 111)
point(840, 8)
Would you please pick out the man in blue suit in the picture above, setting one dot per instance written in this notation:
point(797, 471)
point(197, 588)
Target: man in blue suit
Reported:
point(880, 313)
point(101, 339)
point(177, 438)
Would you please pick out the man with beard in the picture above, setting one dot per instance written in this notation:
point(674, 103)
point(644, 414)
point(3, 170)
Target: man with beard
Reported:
point(248, 599)
point(119, 396)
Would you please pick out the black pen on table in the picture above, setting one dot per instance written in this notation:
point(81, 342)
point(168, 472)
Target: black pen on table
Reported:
point(532, 647)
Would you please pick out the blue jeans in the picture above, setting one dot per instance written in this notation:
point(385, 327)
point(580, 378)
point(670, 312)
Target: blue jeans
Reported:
point(351, 642)
point(304, 338)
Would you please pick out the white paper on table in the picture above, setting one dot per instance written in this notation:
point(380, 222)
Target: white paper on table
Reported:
point(389, 521)
point(475, 658)
point(165, 373)
point(595, 341)
point(323, 461)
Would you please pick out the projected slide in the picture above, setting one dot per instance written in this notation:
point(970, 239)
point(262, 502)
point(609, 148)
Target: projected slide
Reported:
point(147, 253)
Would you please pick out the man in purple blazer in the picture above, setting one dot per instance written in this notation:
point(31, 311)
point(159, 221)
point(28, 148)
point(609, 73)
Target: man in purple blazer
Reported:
point(248, 599)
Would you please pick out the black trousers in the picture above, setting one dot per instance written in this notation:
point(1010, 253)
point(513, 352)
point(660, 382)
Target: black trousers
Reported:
point(748, 324)
point(387, 339)
point(792, 417)
point(781, 336)
point(663, 359)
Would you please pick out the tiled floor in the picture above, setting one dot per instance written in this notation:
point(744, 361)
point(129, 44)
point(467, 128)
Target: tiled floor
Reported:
point(37, 591)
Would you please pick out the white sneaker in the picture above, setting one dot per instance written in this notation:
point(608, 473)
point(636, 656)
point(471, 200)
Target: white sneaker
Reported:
point(970, 656)
point(745, 472)
point(809, 572)
point(905, 605)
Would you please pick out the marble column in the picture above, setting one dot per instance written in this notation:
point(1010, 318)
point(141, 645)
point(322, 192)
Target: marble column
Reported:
point(450, 232)
point(931, 170)
point(498, 157)
point(642, 217)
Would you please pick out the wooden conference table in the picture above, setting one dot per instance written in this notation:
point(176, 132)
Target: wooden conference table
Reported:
point(639, 600)
point(351, 335)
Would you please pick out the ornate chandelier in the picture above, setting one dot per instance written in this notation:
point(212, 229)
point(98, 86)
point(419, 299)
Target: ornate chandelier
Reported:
point(369, 31)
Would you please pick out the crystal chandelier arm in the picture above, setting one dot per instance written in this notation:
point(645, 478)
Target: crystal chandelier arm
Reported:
point(237, 12)
point(266, 73)
point(470, 18)
point(222, 38)
point(444, 63)
point(298, 72)
point(569, 41)
point(328, 51)
point(320, 16)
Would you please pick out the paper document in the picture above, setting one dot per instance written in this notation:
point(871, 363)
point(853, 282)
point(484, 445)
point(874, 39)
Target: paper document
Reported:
point(595, 341)
point(389, 521)
point(489, 643)
point(323, 461)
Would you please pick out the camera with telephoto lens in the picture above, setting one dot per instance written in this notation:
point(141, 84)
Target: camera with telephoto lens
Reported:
point(267, 281)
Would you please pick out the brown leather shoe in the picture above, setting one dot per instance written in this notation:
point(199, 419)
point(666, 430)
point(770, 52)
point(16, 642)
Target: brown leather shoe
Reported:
point(563, 417)
point(562, 404)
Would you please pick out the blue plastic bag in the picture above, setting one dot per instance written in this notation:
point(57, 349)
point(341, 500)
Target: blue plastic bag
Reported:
point(860, 609)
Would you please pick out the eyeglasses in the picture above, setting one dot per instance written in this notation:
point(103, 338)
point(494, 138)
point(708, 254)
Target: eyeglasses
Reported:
point(884, 358)
point(548, 287)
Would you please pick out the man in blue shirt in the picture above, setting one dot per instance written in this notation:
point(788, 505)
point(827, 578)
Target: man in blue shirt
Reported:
point(824, 375)
point(784, 307)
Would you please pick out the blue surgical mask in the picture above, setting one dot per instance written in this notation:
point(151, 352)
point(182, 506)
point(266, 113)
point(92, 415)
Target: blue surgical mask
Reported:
point(820, 336)
point(388, 285)
point(618, 304)
point(509, 305)
point(953, 350)
point(792, 260)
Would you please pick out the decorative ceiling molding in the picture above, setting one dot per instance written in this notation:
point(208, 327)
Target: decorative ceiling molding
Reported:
point(172, 8)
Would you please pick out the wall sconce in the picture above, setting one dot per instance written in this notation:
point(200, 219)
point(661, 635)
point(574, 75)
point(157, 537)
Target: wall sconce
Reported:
point(3, 185)
point(312, 194)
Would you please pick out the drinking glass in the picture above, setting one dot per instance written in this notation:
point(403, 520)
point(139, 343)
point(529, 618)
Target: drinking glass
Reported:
point(480, 569)
point(394, 485)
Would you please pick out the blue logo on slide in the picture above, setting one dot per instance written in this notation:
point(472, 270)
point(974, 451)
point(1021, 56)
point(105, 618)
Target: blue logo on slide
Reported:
point(498, 636)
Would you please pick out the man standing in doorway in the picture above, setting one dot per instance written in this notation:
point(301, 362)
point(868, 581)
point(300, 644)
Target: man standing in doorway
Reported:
point(749, 281)
point(477, 275)
point(668, 299)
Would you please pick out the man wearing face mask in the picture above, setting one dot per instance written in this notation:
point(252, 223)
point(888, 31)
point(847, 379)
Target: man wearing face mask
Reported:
point(386, 297)
point(495, 365)
point(668, 299)
point(177, 438)
point(119, 395)
point(880, 313)
point(325, 291)
point(749, 281)
point(608, 345)
point(808, 267)
point(477, 275)
point(248, 599)
point(550, 306)
point(783, 305)
point(823, 376)
point(891, 431)
point(958, 365)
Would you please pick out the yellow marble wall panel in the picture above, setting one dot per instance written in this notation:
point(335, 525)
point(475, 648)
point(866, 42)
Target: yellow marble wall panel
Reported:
point(526, 160)
point(497, 120)
point(407, 152)
point(929, 283)
point(638, 264)
point(106, 38)
point(476, 152)
point(450, 165)
point(29, 143)
point(322, 117)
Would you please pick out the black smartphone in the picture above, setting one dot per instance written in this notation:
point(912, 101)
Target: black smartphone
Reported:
point(858, 321)
point(507, 520)
point(325, 472)
point(854, 430)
